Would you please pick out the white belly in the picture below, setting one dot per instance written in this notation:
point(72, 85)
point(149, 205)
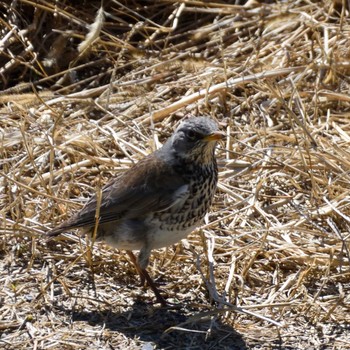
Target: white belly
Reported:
point(124, 238)
point(166, 238)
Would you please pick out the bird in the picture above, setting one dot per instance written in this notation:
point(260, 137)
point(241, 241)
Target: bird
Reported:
point(159, 200)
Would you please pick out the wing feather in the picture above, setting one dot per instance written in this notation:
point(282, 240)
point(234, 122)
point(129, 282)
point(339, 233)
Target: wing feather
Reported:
point(151, 185)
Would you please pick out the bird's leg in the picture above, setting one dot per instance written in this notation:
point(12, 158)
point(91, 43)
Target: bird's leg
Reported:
point(144, 276)
point(137, 266)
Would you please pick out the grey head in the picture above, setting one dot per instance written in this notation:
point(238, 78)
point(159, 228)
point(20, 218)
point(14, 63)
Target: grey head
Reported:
point(195, 139)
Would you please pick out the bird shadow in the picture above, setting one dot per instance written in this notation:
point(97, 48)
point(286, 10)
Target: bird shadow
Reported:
point(165, 328)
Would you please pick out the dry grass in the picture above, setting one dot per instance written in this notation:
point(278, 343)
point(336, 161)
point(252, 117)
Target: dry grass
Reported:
point(270, 269)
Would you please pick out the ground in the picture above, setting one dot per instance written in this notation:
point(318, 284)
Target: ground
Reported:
point(85, 93)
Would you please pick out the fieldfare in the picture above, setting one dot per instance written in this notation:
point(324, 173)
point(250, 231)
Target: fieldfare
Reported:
point(159, 200)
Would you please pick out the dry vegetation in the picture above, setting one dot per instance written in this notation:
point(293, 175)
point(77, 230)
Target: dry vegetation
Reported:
point(80, 103)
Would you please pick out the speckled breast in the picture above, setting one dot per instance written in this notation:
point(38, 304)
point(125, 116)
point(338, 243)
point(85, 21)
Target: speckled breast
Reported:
point(176, 225)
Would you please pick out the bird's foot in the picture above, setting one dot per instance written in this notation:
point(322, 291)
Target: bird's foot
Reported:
point(146, 279)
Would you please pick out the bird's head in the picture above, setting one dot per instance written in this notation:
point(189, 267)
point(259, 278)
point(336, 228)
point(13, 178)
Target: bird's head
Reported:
point(195, 139)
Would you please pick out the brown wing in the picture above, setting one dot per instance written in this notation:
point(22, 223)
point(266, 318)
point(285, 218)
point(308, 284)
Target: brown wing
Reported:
point(150, 185)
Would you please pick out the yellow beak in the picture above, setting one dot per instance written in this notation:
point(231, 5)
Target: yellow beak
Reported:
point(215, 136)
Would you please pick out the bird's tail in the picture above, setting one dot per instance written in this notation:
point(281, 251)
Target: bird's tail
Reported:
point(56, 231)
point(70, 224)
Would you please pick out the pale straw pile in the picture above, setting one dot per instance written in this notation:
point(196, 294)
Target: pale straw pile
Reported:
point(85, 93)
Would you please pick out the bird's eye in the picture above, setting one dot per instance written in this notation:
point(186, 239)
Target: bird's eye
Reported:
point(192, 135)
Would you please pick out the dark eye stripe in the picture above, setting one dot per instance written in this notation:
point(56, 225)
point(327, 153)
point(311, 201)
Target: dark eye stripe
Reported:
point(193, 135)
